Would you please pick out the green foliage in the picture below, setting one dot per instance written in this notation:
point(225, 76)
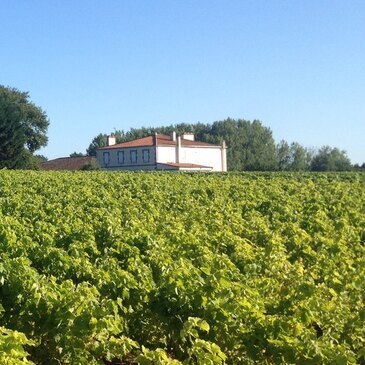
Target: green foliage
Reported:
point(155, 357)
point(153, 268)
point(12, 137)
point(97, 142)
point(30, 161)
point(359, 167)
point(293, 157)
point(23, 128)
point(331, 159)
point(91, 166)
point(12, 347)
point(76, 154)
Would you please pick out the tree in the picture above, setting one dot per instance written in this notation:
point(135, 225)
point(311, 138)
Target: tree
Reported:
point(293, 157)
point(331, 159)
point(283, 155)
point(91, 166)
point(31, 161)
point(23, 127)
point(97, 142)
point(359, 167)
point(76, 154)
point(300, 157)
point(11, 138)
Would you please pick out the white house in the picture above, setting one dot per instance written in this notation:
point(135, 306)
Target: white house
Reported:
point(163, 152)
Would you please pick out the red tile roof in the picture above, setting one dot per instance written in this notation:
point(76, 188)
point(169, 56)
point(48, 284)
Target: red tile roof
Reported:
point(67, 163)
point(162, 140)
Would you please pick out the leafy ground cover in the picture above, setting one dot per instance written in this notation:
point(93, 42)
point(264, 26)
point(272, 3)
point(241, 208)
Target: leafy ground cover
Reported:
point(154, 268)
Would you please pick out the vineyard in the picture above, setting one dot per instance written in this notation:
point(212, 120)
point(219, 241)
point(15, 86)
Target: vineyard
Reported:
point(153, 268)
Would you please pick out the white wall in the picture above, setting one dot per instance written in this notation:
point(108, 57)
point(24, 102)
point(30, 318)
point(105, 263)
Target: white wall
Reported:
point(166, 154)
point(202, 156)
point(206, 156)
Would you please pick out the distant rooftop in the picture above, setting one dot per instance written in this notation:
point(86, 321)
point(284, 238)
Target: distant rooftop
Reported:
point(67, 163)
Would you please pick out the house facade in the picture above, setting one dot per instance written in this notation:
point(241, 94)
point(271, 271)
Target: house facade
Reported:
point(163, 152)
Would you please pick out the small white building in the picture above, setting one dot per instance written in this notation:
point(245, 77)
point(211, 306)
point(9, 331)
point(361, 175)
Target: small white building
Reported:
point(163, 152)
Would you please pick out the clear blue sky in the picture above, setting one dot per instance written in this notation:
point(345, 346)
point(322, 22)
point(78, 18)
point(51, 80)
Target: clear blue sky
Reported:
point(95, 66)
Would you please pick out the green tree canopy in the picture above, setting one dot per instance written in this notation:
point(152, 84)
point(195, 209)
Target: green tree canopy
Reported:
point(76, 154)
point(359, 167)
point(23, 127)
point(331, 159)
point(300, 157)
point(97, 142)
point(283, 155)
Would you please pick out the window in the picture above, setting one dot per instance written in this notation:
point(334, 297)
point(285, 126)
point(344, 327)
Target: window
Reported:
point(106, 158)
point(120, 157)
point(146, 156)
point(133, 156)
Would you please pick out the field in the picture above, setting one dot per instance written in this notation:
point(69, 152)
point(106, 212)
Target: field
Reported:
point(160, 268)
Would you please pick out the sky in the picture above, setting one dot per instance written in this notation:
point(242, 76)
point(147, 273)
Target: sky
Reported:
point(98, 66)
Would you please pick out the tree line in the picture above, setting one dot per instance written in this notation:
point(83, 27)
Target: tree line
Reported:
point(251, 146)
